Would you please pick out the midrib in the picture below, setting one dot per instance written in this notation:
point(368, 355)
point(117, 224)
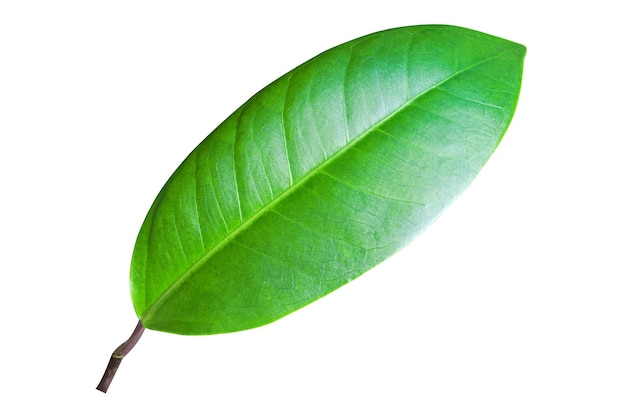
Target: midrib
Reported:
point(295, 186)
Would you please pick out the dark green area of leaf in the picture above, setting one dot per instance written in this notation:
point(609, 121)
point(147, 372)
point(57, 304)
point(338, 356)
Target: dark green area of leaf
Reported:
point(322, 175)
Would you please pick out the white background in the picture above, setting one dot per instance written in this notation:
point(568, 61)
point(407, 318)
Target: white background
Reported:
point(511, 305)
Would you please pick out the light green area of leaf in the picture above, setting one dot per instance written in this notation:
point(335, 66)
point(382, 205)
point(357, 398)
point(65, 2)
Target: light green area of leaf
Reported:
point(322, 175)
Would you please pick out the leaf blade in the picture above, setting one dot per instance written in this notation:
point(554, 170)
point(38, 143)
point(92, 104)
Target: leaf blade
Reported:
point(315, 139)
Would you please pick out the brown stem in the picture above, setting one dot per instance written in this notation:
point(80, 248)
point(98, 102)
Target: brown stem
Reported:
point(117, 356)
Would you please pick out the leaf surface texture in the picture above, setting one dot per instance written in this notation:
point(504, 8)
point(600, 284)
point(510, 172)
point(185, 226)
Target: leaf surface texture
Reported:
point(322, 175)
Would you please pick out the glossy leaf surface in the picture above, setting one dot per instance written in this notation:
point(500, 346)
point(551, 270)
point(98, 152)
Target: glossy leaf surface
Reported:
point(322, 175)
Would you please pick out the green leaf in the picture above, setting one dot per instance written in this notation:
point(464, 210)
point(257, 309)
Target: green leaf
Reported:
point(322, 175)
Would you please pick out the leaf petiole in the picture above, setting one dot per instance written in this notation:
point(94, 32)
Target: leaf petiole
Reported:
point(117, 356)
